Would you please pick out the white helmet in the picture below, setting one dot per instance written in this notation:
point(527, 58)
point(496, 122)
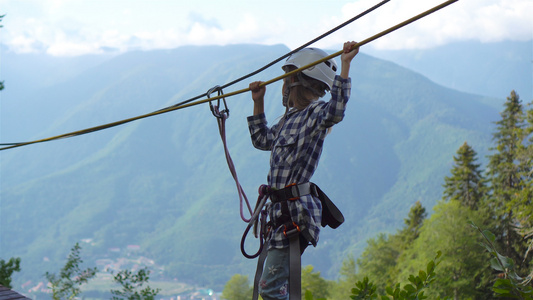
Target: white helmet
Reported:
point(324, 72)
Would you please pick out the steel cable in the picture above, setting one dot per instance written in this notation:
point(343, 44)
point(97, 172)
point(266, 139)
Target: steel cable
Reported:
point(188, 104)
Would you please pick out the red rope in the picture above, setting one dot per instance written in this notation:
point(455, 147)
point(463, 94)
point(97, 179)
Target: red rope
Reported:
point(221, 120)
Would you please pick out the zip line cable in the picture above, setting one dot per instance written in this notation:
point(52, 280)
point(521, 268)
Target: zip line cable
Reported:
point(206, 94)
point(176, 107)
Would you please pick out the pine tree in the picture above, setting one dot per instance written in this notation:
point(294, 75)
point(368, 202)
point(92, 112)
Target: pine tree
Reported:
point(525, 161)
point(467, 187)
point(463, 261)
point(413, 224)
point(466, 184)
point(379, 261)
point(505, 176)
point(524, 203)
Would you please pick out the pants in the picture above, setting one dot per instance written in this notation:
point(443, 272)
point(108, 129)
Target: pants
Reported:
point(274, 283)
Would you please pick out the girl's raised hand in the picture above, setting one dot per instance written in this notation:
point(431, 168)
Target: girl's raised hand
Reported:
point(346, 57)
point(348, 53)
point(258, 92)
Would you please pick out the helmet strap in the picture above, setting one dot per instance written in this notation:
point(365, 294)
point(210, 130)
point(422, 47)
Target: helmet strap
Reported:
point(286, 93)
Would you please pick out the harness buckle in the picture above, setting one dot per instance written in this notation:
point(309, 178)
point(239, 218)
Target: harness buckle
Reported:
point(293, 186)
point(288, 232)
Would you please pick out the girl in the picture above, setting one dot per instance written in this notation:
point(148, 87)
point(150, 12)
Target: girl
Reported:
point(296, 143)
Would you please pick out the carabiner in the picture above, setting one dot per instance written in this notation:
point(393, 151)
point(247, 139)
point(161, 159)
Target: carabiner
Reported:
point(214, 109)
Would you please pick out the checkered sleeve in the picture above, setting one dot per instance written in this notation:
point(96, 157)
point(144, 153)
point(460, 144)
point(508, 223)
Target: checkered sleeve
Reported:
point(332, 112)
point(262, 136)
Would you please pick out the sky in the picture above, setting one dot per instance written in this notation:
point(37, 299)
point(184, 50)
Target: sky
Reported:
point(77, 27)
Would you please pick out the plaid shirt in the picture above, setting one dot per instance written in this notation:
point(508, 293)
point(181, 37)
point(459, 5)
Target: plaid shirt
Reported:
point(296, 149)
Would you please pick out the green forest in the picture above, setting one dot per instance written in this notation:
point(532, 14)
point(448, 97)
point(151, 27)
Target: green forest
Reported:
point(477, 244)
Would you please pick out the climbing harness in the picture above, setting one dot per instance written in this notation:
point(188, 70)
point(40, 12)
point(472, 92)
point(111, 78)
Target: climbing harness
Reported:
point(222, 116)
point(331, 216)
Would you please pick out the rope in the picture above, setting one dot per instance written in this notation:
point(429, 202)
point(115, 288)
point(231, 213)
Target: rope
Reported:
point(257, 221)
point(222, 116)
point(176, 107)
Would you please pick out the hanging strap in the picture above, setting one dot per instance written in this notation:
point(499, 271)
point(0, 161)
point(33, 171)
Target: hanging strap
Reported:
point(295, 263)
point(259, 272)
point(221, 116)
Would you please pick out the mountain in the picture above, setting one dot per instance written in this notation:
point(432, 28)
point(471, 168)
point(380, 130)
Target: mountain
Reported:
point(491, 69)
point(162, 183)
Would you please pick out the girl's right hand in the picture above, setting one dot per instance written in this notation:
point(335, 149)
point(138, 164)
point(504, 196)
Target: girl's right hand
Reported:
point(258, 92)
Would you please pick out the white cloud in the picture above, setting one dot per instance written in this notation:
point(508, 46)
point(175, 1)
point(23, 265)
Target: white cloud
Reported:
point(66, 48)
point(483, 20)
point(69, 27)
point(67, 36)
point(23, 44)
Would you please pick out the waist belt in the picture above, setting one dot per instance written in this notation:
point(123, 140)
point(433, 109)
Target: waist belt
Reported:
point(292, 192)
point(331, 215)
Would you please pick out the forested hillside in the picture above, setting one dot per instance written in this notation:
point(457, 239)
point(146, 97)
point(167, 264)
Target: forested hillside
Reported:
point(498, 199)
point(161, 184)
point(475, 245)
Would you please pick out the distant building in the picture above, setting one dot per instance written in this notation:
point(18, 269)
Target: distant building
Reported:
point(8, 294)
point(40, 287)
point(133, 247)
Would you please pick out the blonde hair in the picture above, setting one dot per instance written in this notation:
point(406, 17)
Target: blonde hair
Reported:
point(304, 90)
